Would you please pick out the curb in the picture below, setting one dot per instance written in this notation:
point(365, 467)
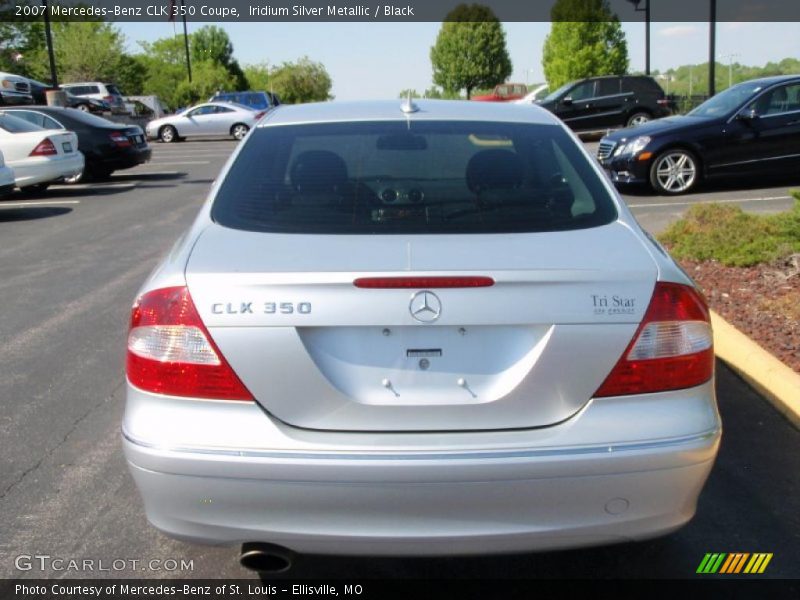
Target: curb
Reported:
point(779, 384)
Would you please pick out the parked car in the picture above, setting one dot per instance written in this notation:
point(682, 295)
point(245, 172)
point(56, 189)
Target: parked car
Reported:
point(213, 119)
point(107, 146)
point(750, 129)
point(39, 92)
point(256, 100)
point(7, 183)
point(535, 96)
point(610, 102)
point(505, 92)
point(429, 328)
point(39, 156)
point(107, 92)
point(14, 89)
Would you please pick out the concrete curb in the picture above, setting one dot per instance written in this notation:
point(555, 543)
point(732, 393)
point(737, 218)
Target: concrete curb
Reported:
point(770, 377)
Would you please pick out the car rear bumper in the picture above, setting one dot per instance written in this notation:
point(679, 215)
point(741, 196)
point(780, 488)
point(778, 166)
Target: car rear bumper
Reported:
point(422, 494)
point(43, 170)
point(124, 160)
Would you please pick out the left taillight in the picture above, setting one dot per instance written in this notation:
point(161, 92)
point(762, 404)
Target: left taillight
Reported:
point(170, 351)
point(120, 140)
point(44, 148)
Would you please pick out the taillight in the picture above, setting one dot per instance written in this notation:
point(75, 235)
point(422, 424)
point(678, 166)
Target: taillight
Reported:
point(672, 349)
point(662, 102)
point(109, 99)
point(170, 351)
point(45, 148)
point(120, 139)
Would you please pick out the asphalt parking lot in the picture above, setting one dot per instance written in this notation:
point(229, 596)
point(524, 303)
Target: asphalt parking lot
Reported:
point(72, 261)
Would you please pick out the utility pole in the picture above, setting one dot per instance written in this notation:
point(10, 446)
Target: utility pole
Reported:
point(186, 42)
point(712, 48)
point(49, 39)
point(646, 11)
point(730, 58)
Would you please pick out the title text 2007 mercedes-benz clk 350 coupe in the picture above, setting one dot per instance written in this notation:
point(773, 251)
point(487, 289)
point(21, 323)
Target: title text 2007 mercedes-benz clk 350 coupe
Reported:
point(417, 329)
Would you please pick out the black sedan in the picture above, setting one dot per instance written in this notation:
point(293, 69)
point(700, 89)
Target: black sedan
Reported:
point(752, 128)
point(107, 146)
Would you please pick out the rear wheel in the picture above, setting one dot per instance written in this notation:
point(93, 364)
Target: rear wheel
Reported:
point(168, 134)
point(35, 189)
point(674, 171)
point(639, 118)
point(239, 130)
point(83, 107)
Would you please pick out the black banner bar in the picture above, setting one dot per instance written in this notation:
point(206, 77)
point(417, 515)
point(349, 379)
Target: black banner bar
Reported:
point(240, 11)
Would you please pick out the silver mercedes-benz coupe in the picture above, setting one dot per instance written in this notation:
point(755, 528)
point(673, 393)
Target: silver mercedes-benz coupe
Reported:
point(417, 329)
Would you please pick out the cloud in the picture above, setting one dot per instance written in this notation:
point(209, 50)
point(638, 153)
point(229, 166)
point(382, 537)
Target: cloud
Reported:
point(679, 31)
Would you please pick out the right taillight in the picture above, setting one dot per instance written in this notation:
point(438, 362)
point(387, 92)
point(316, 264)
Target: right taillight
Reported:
point(170, 351)
point(120, 139)
point(44, 148)
point(673, 347)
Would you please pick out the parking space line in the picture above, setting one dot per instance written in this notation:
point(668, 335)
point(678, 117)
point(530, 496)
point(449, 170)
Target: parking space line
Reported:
point(94, 186)
point(712, 201)
point(37, 203)
point(186, 162)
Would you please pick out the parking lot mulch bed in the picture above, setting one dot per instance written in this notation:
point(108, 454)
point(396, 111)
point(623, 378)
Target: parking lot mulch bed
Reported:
point(762, 301)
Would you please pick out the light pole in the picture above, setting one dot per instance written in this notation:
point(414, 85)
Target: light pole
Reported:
point(730, 58)
point(712, 47)
point(646, 11)
point(48, 36)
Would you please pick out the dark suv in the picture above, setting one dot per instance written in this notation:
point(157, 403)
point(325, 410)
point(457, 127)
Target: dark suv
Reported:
point(599, 103)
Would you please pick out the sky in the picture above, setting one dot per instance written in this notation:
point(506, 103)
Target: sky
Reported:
point(378, 60)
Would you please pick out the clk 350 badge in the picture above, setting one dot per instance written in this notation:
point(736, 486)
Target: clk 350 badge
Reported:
point(267, 308)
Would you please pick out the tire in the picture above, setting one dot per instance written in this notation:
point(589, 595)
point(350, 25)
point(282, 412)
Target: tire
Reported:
point(83, 108)
point(239, 130)
point(168, 134)
point(37, 188)
point(639, 118)
point(97, 174)
point(674, 171)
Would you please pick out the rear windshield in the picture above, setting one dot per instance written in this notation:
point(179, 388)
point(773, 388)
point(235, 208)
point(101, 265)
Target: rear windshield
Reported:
point(16, 125)
point(88, 118)
point(417, 178)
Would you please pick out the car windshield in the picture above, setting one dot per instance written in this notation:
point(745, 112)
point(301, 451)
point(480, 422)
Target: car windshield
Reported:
point(416, 178)
point(554, 95)
point(13, 124)
point(726, 102)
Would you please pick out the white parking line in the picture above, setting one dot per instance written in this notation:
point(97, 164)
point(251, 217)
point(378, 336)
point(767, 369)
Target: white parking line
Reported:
point(37, 203)
point(94, 186)
point(186, 162)
point(712, 201)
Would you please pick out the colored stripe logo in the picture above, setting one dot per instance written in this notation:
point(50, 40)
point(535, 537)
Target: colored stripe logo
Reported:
point(734, 563)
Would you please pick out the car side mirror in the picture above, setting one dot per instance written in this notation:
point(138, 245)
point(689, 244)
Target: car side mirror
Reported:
point(566, 101)
point(748, 115)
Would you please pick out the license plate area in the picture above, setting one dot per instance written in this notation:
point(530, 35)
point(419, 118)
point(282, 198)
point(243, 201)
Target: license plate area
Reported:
point(67, 147)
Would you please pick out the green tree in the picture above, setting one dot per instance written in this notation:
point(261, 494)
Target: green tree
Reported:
point(84, 51)
point(586, 39)
point(211, 43)
point(301, 81)
point(258, 77)
point(164, 61)
point(208, 78)
point(470, 50)
point(20, 44)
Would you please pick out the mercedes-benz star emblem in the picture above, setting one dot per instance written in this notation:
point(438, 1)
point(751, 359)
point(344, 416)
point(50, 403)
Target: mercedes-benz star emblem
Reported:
point(425, 307)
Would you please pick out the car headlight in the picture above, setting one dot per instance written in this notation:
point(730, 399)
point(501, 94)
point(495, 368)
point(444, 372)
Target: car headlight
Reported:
point(634, 146)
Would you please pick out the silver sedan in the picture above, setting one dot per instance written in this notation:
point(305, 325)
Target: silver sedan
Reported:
point(214, 119)
point(417, 329)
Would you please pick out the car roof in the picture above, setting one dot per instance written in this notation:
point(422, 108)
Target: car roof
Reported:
point(391, 110)
point(772, 79)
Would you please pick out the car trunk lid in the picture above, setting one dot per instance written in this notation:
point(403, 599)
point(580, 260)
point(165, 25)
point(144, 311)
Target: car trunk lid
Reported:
point(318, 352)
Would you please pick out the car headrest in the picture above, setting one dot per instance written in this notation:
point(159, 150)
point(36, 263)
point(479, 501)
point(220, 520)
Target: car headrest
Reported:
point(494, 169)
point(318, 171)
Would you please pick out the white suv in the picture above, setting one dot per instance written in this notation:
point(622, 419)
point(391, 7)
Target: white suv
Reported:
point(107, 92)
